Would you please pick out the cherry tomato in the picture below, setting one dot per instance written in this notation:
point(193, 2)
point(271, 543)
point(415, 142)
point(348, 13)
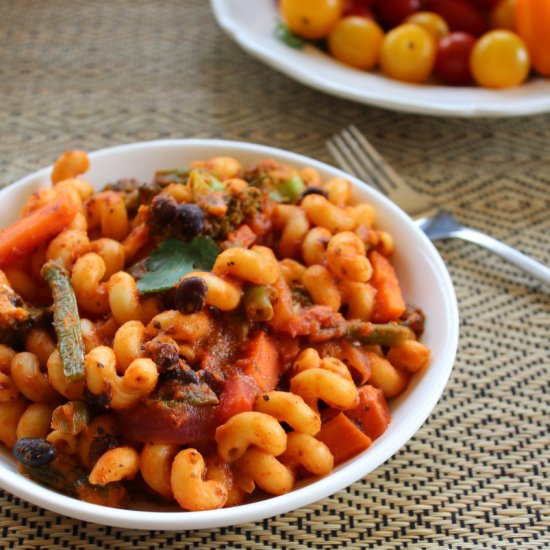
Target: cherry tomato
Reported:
point(408, 53)
point(533, 23)
point(311, 19)
point(484, 4)
point(503, 16)
point(433, 23)
point(452, 63)
point(356, 41)
point(500, 59)
point(362, 8)
point(460, 15)
point(393, 12)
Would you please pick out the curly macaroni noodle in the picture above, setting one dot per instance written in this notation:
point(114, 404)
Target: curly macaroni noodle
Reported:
point(122, 392)
point(188, 486)
point(290, 408)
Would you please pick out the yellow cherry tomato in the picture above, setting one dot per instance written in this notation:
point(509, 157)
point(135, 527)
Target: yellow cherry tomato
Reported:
point(356, 41)
point(311, 19)
point(432, 22)
point(503, 16)
point(408, 53)
point(500, 59)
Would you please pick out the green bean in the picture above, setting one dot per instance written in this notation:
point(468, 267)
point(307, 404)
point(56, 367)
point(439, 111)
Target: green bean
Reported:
point(257, 303)
point(66, 321)
point(389, 334)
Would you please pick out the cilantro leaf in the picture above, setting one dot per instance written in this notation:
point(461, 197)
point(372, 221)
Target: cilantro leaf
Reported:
point(173, 259)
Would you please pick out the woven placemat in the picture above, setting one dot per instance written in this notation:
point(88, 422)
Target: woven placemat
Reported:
point(94, 74)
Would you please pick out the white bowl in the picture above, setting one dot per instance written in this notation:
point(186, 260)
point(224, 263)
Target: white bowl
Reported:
point(425, 282)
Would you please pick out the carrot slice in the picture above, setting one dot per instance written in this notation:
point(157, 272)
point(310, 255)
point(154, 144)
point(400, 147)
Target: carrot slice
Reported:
point(262, 361)
point(136, 241)
point(343, 438)
point(283, 311)
point(389, 303)
point(41, 225)
point(372, 412)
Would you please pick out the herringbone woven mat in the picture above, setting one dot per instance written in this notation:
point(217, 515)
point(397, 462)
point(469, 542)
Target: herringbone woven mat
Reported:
point(94, 74)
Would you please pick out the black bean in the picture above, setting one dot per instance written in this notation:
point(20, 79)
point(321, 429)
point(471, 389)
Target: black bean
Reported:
point(185, 374)
point(314, 191)
point(99, 400)
point(33, 451)
point(164, 209)
point(179, 374)
point(188, 221)
point(165, 355)
point(191, 295)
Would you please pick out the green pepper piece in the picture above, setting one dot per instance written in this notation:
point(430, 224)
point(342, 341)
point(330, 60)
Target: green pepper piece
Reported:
point(257, 303)
point(72, 417)
point(292, 188)
point(65, 476)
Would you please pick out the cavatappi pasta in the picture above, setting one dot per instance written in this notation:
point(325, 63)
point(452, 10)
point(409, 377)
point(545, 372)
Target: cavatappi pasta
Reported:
point(219, 330)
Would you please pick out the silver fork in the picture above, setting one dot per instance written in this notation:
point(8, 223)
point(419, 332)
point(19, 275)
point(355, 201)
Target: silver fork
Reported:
point(356, 155)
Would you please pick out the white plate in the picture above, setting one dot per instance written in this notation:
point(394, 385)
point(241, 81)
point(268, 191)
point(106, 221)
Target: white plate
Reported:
point(251, 24)
point(425, 283)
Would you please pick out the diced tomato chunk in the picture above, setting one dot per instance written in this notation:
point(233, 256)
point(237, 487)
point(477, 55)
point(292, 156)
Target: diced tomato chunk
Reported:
point(242, 236)
point(158, 422)
point(238, 396)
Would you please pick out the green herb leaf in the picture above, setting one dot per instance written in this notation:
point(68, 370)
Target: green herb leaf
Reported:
point(173, 259)
point(284, 34)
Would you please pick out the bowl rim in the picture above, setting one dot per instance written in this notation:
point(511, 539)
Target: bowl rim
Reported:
point(314, 491)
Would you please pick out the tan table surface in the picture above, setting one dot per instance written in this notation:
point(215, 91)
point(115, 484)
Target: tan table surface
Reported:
point(94, 74)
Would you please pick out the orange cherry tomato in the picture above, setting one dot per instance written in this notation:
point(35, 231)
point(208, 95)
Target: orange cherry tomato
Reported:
point(503, 16)
point(408, 53)
point(499, 59)
point(356, 41)
point(311, 19)
point(533, 24)
point(432, 22)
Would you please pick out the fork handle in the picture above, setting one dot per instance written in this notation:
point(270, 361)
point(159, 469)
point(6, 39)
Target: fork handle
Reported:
point(529, 265)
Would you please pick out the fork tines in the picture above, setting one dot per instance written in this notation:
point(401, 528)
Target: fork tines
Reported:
point(354, 154)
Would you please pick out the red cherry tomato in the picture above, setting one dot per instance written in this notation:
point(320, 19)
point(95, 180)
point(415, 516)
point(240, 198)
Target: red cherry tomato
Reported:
point(360, 8)
point(460, 15)
point(484, 4)
point(393, 12)
point(503, 16)
point(452, 63)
